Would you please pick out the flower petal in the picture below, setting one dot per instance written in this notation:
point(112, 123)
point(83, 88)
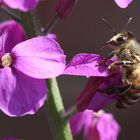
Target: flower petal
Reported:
point(20, 94)
point(81, 120)
point(76, 123)
point(94, 94)
point(107, 127)
point(88, 93)
point(39, 57)
point(52, 36)
point(100, 100)
point(123, 3)
point(86, 65)
point(11, 33)
point(22, 5)
point(88, 116)
point(101, 126)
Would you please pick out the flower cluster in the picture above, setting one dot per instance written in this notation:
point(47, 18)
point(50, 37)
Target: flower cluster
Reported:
point(101, 79)
point(25, 64)
point(63, 7)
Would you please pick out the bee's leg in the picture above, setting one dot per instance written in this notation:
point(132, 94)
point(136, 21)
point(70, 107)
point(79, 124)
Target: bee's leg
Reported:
point(108, 57)
point(118, 90)
point(127, 100)
point(136, 87)
point(124, 63)
point(111, 54)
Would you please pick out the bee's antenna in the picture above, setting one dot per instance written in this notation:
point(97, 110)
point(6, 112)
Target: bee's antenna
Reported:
point(109, 25)
point(128, 22)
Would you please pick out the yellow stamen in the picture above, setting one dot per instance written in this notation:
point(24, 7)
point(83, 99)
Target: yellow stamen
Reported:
point(6, 60)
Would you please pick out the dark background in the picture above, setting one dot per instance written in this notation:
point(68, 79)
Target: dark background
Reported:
point(82, 31)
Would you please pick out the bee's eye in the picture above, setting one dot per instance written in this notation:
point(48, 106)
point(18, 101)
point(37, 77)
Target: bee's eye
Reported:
point(121, 40)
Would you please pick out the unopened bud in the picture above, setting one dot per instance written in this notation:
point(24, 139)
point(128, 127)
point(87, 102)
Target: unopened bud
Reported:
point(64, 7)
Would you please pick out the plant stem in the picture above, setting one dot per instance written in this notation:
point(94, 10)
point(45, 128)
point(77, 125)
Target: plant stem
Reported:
point(31, 23)
point(10, 13)
point(51, 24)
point(55, 109)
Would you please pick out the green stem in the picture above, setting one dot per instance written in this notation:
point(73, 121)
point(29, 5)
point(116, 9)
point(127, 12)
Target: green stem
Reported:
point(10, 13)
point(55, 109)
point(31, 23)
point(51, 24)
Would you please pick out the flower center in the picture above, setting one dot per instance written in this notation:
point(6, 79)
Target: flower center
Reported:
point(6, 60)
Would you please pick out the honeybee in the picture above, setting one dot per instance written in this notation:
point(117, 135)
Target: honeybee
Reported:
point(127, 54)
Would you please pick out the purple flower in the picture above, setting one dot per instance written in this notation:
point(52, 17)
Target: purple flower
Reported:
point(23, 69)
point(84, 64)
point(123, 3)
point(101, 126)
point(52, 36)
point(64, 7)
point(94, 96)
point(22, 5)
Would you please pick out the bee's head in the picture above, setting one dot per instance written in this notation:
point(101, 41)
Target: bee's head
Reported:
point(120, 38)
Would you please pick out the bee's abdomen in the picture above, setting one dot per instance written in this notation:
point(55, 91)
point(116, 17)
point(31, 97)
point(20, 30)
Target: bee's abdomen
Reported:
point(127, 99)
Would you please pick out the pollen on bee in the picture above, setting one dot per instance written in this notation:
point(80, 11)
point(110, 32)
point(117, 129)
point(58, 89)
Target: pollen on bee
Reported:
point(6, 60)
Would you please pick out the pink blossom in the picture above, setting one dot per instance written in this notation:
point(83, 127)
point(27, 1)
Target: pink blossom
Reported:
point(123, 3)
point(84, 64)
point(24, 66)
point(23, 5)
point(101, 126)
point(94, 95)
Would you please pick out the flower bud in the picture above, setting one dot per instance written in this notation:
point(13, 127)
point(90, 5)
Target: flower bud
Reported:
point(64, 7)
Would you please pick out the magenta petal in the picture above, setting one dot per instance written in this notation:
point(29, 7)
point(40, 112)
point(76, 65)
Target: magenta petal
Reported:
point(88, 93)
point(100, 98)
point(52, 36)
point(20, 94)
point(39, 57)
point(22, 5)
point(81, 120)
point(100, 101)
point(86, 65)
point(88, 121)
point(101, 126)
point(11, 33)
point(107, 127)
point(94, 94)
point(123, 3)
point(77, 123)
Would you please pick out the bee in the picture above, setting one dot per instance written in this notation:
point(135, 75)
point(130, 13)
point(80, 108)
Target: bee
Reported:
point(127, 55)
